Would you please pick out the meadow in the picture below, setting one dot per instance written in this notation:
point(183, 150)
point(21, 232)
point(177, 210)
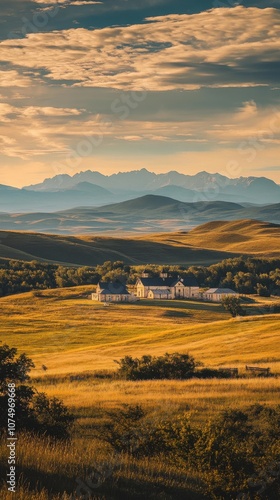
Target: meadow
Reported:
point(77, 340)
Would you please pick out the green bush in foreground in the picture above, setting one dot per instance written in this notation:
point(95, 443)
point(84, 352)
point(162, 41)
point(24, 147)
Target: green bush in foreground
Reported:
point(34, 412)
point(238, 453)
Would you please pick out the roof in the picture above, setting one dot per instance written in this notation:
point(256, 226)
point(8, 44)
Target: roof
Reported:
point(159, 282)
point(188, 281)
point(221, 291)
point(113, 288)
point(161, 292)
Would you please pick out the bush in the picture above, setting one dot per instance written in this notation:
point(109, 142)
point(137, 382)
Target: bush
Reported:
point(233, 305)
point(169, 366)
point(262, 290)
point(123, 429)
point(34, 412)
point(233, 453)
point(212, 373)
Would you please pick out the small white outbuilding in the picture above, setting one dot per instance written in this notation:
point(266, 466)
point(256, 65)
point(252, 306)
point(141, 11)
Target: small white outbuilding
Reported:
point(218, 294)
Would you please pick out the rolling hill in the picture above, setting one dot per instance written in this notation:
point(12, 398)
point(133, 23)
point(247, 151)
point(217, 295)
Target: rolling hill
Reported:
point(66, 341)
point(145, 214)
point(204, 245)
point(243, 236)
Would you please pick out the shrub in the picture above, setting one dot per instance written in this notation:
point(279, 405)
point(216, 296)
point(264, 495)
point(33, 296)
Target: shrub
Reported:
point(123, 428)
point(169, 366)
point(212, 373)
point(236, 453)
point(233, 305)
point(34, 412)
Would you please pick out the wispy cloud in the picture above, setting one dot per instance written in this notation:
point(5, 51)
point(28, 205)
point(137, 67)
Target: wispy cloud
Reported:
point(32, 131)
point(39, 130)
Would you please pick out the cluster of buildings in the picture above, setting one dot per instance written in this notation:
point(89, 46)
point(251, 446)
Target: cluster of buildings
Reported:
point(163, 287)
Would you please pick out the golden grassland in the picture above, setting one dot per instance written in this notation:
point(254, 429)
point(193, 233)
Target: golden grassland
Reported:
point(206, 244)
point(69, 333)
point(243, 236)
point(74, 336)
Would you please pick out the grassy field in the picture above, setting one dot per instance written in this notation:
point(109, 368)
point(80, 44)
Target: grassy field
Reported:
point(74, 336)
point(66, 331)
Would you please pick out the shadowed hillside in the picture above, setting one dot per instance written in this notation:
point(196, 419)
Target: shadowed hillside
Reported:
point(204, 245)
point(91, 251)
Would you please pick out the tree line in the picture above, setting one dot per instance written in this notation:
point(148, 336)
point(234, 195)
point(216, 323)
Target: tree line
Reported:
point(243, 274)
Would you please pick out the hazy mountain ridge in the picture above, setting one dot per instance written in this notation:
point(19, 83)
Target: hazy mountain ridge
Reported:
point(138, 180)
point(146, 214)
point(94, 189)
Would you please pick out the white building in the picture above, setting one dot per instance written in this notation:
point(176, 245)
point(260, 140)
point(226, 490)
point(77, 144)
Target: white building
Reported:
point(112, 292)
point(164, 287)
point(218, 294)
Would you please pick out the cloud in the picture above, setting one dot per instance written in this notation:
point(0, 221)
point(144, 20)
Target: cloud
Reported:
point(236, 47)
point(28, 131)
point(249, 126)
point(66, 2)
point(12, 78)
point(31, 131)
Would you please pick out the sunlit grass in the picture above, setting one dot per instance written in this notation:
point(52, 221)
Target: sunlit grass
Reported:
point(72, 335)
point(69, 333)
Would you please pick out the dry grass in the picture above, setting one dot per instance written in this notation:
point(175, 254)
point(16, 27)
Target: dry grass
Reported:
point(242, 236)
point(73, 335)
point(46, 469)
point(203, 397)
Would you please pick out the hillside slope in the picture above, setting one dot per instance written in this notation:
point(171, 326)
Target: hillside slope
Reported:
point(207, 244)
point(90, 251)
point(243, 236)
point(79, 335)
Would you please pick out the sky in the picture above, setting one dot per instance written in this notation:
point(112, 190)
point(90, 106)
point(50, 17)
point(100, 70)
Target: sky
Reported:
point(120, 85)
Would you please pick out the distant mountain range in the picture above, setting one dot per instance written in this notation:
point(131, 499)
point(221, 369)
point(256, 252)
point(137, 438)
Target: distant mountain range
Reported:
point(146, 214)
point(93, 189)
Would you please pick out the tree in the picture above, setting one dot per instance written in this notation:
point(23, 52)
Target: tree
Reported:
point(262, 290)
point(233, 305)
point(34, 411)
point(12, 369)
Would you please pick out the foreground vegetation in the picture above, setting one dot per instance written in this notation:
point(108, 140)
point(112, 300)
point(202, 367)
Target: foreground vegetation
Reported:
point(117, 453)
